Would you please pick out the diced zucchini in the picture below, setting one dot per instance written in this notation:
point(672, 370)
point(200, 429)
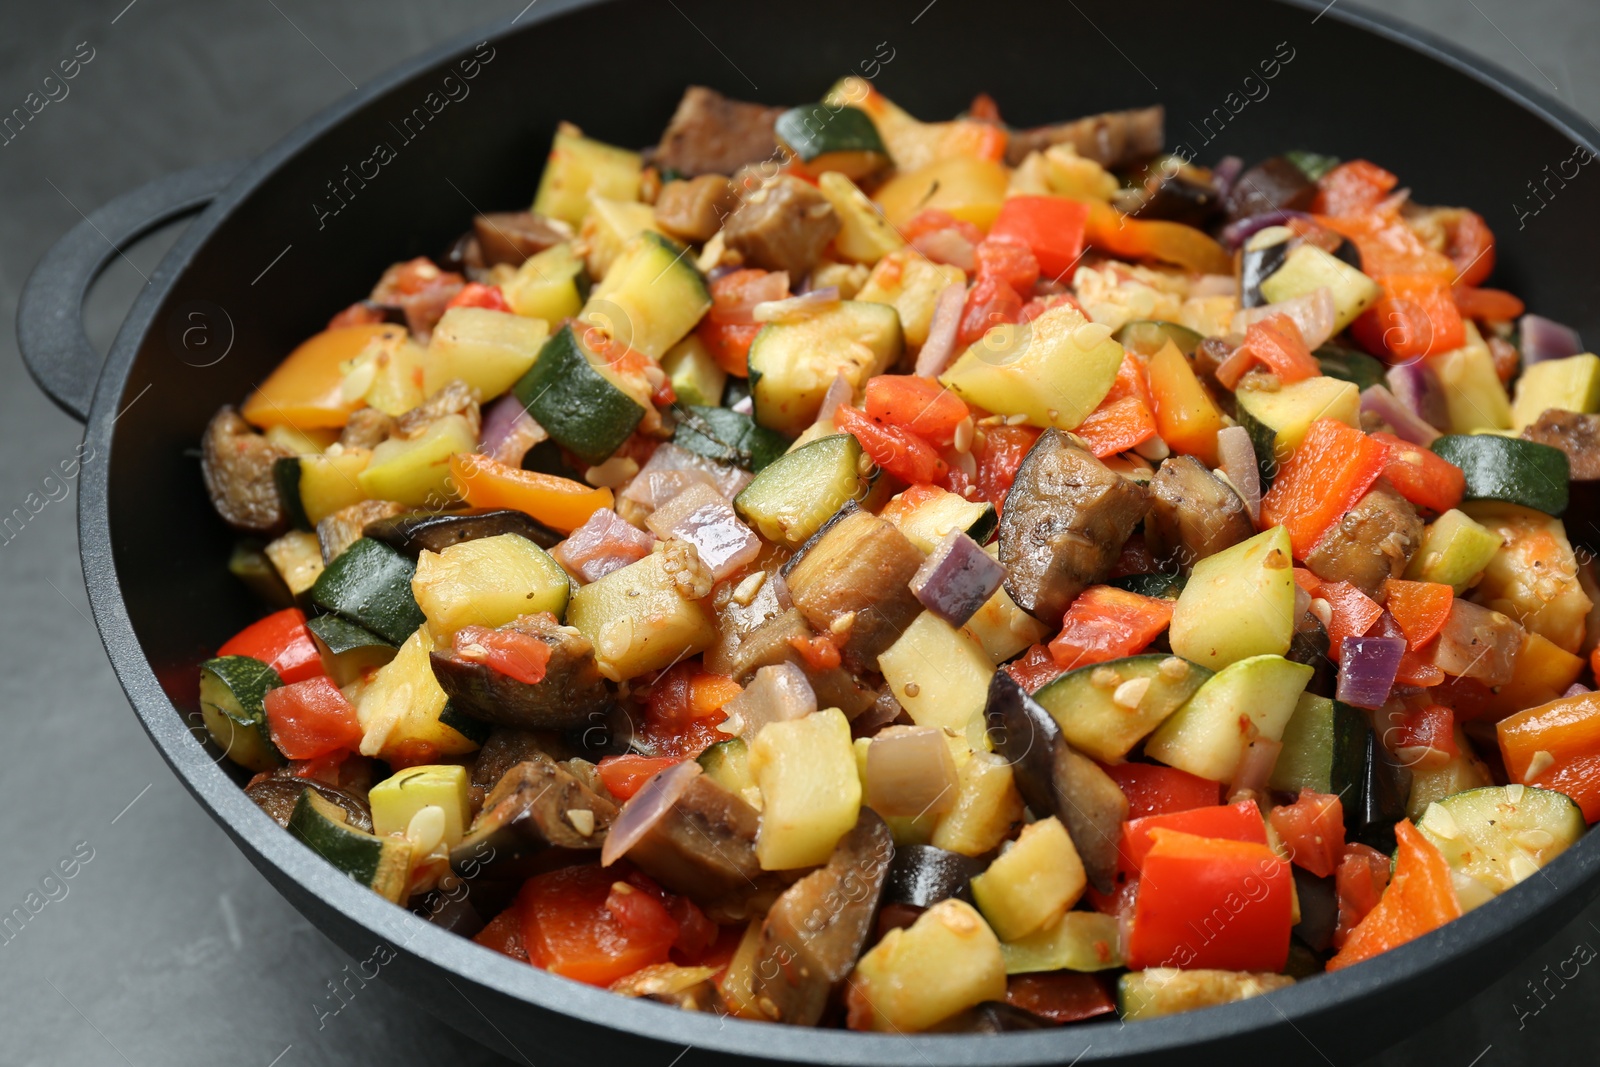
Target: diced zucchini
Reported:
point(1164, 585)
point(250, 563)
point(928, 514)
point(387, 374)
point(578, 167)
point(1279, 418)
point(941, 677)
point(1534, 577)
point(1157, 991)
point(1474, 398)
point(910, 282)
point(397, 799)
point(370, 585)
point(864, 236)
point(331, 481)
point(1499, 835)
point(232, 694)
point(401, 708)
point(1208, 734)
point(1509, 469)
point(417, 471)
point(1237, 603)
point(488, 582)
point(1053, 371)
point(988, 807)
point(382, 864)
point(1454, 551)
point(727, 437)
point(693, 374)
point(551, 285)
point(651, 297)
point(489, 350)
point(918, 976)
point(1349, 365)
point(1571, 384)
point(1106, 709)
point(348, 650)
point(1324, 747)
point(832, 138)
point(1461, 772)
point(794, 495)
point(1002, 628)
point(297, 555)
point(1307, 269)
point(728, 764)
point(572, 394)
point(286, 479)
point(1032, 883)
point(639, 620)
point(608, 228)
point(793, 363)
point(1149, 336)
point(810, 790)
point(1082, 941)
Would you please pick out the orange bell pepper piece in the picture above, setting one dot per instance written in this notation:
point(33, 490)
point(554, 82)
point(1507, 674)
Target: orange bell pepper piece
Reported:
point(1277, 342)
point(1187, 419)
point(1170, 242)
point(1427, 480)
point(1332, 469)
point(306, 389)
point(1415, 316)
point(1557, 746)
point(1420, 608)
point(1490, 305)
point(1106, 623)
point(1351, 613)
point(560, 503)
point(1352, 188)
point(1116, 426)
point(1418, 899)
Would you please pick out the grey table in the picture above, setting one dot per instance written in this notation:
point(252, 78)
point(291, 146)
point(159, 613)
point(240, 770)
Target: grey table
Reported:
point(165, 946)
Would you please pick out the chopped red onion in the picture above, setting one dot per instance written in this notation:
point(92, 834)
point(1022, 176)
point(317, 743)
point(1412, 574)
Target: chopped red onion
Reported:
point(508, 431)
point(1237, 458)
point(1225, 173)
point(1577, 689)
point(840, 391)
point(1237, 233)
point(604, 543)
point(646, 808)
point(957, 579)
point(645, 490)
point(1312, 312)
point(1367, 669)
point(1255, 767)
point(1417, 387)
point(947, 246)
point(910, 772)
point(1544, 339)
point(796, 308)
point(1477, 642)
point(1408, 426)
point(745, 405)
point(703, 517)
point(940, 347)
point(777, 694)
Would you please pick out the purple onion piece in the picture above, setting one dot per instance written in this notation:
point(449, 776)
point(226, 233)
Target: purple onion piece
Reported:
point(1577, 689)
point(1237, 457)
point(840, 391)
point(910, 772)
point(940, 347)
point(722, 270)
point(1417, 387)
point(604, 543)
point(508, 431)
point(957, 579)
point(947, 246)
point(703, 517)
point(1237, 233)
point(1225, 173)
point(1367, 669)
point(1408, 426)
point(777, 694)
point(727, 480)
point(1544, 339)
point(1478, 642)
point(646, 808)
point(1312, 313)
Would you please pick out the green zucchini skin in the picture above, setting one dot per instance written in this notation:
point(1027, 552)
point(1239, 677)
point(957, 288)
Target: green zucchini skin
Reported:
point(580, 409)
point(370, 585)
point(1509, 469)
point(1164, 585)
point(1324, 750)
point(1349, 365)
point(233, 692)
point(727, 437)
point(815, 130)
point(382, 864)
point(1148, 336)
point(286, 476)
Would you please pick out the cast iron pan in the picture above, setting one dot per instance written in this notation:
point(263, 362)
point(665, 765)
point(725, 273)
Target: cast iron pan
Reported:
point(269, 260)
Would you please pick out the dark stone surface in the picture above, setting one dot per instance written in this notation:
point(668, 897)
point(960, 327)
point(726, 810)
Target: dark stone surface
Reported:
point(166, 947)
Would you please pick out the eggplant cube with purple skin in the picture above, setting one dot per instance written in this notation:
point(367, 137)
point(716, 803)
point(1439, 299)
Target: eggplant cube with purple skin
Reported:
point(957, 579)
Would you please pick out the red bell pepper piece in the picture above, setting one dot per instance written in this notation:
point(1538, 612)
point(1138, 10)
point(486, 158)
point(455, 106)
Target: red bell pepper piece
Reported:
point(1470, 245)
point(282, 642)
point(1233, 822)
point(920, 405)
point(1568, 730)
point(1332, 469)
point(588, 924)
point(1153, 789)
point(1052, 226)
point(1211, 902)
point(1035, 669)
point(898, 451)
point(1429, 726)
point(503, 934)
point(998, 458)
point(1117, 426)
point(1420, 898)
point(1312, 829)
point(1419, 608)
point(1061, 996)
point(625, 775)
point(1009, 259)
point(1487, 305)
point(1277, 343)
point(1429, 481)
point(990, 302)
point(1135, 558)
point(311, 718)
point(1352, 188)
point(1359, 880)
point(478, 295)
point(1106, 623)
point(1351, 613)
point(1415, 316)
point(512, 653)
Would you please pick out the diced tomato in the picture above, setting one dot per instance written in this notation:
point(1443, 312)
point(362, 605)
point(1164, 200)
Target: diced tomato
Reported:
point(920, 405)
point(311, 718)
point(729, 327)
point(478, 295)
point(683, 706)
point(931, 220)
point(1001, 453)
point(1505, 356)
point(819, 653)
point(587, 924)
point(1332, 469)
point(729, 343)
point(1035, 668)
point(1106, 623)
point(1420, 608)
point(1211, 902)
point(1008, 259)
point(1429, 726)
point(697, 934)
point(990, 302)
point(1312, 829)
point(1352, 188)
point(1153, 789)
point(1351, 613)
point(1277, 343)
point(1487, 305)
point(1233, 822)
point(898, 451)
point(1052, 226)
point(282, 642)
point(1420, 898)
point(1415, 316)
point(984, 109)
point(1117, 426)
point(1359, 880)
point(1119, 901)
point(511, 652)
point(503, 933)
point(1470, 245)
point(1061, 996)
point(328, 767)
point(625, 775)
point(1567, 732)
point(1429, 481)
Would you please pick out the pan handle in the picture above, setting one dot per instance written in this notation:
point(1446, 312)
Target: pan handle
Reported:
point(50, 331)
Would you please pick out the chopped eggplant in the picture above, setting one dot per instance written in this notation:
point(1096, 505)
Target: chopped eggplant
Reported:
point(784, 225)
point(1319, 909)
point(957, 579)
point(1310, 646)
point(1111, 139)
point(536, 805)
point(1374, 540)
point(776, 641)
point(923, 875)
point(345, 527)
point(277, 792)
point(504, 748)
point(992, 1017)
point(1068, 517)
point(1262, 256)
point(1193, 513)
point(514, 236)
point(852, 579)
point(237, 464)
point(694, 210)
point(571, 691)
point(411, 532)
point(713, 134)
point(1274, 184)
point(1056, 779)
point(1167, 188)
point(1385, 785)
point(816, 930)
